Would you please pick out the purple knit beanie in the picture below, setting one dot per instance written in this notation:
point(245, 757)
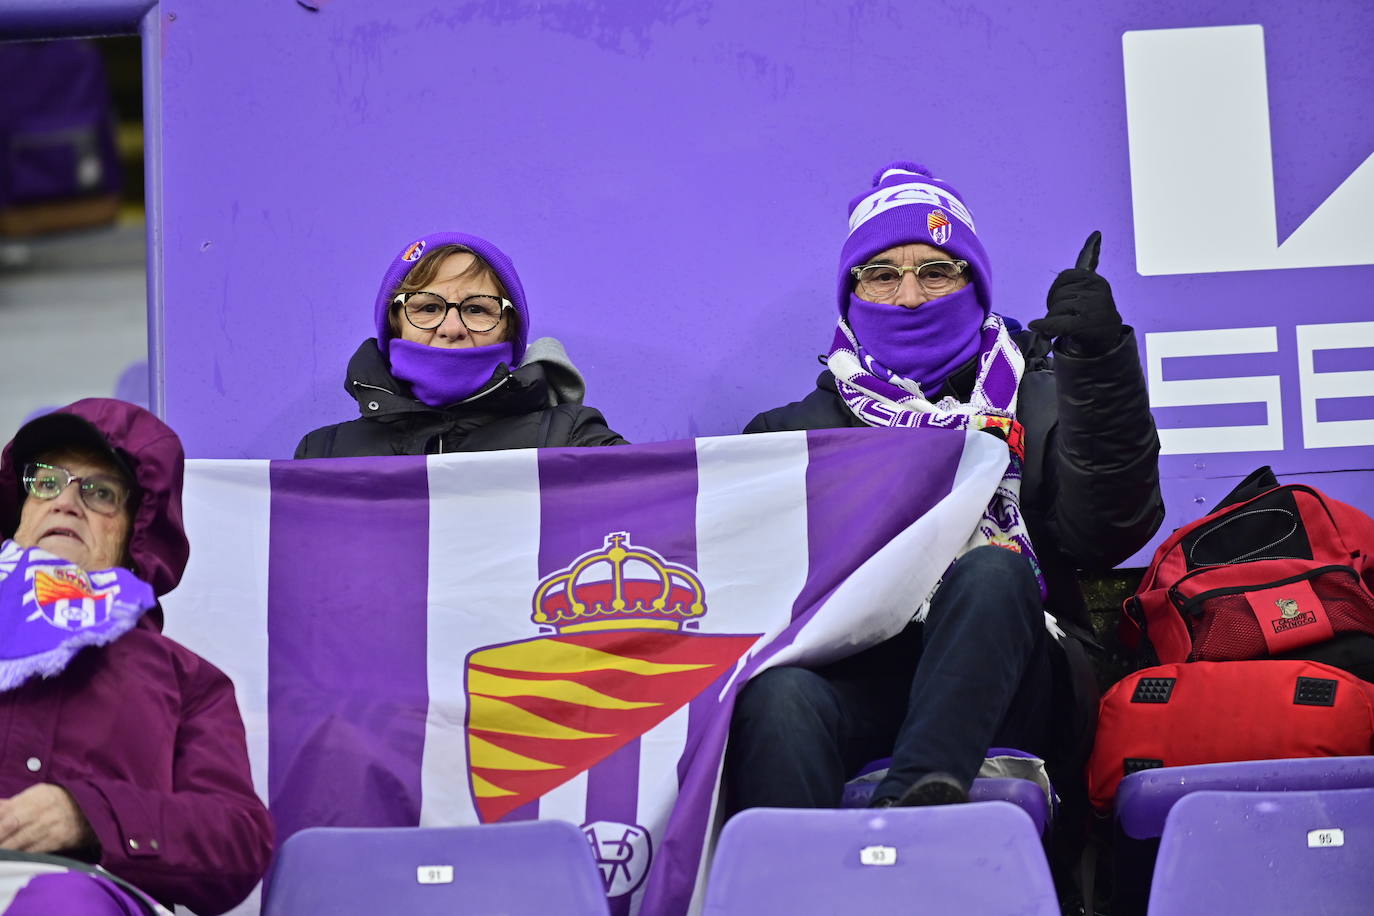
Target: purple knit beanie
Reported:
point(906, 205)
point(409, 256)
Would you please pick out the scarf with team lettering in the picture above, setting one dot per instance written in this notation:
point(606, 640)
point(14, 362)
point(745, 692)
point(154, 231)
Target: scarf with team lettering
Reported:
point(881, 397)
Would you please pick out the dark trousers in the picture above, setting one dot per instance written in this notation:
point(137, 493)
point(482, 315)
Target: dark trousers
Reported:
point(976, 674)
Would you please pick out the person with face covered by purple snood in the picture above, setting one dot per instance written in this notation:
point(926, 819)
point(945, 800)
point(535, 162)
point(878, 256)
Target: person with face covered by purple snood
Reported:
point(452, 368)
point(995, 658)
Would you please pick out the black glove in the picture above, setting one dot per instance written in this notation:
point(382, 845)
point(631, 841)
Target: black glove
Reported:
point(1081, 311)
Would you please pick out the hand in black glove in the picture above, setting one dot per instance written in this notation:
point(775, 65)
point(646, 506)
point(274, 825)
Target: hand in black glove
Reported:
point(1081, 311)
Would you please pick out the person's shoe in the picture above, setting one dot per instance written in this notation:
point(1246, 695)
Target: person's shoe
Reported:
point(934, 789)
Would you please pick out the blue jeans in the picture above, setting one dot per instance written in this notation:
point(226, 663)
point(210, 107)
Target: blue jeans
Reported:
point(977, 674)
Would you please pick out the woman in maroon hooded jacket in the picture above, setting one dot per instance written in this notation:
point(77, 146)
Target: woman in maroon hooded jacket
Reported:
point(117, 745)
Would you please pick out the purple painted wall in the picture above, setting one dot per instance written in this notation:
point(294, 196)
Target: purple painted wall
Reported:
point(670, 178)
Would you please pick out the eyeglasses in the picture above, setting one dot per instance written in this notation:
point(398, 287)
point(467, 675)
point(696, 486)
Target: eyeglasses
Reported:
point(100, 492)
point(427, 311)
point(878, 281)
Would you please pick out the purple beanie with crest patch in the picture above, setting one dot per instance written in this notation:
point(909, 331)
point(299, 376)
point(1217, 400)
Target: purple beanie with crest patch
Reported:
point(409, 256)
point(906, 204)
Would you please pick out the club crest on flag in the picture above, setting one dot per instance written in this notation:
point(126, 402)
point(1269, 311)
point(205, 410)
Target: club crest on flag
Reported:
point(614, 661)
point(65, 597)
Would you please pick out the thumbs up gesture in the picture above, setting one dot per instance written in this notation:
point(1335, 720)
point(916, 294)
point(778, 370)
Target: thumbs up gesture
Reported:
point(1081, 311)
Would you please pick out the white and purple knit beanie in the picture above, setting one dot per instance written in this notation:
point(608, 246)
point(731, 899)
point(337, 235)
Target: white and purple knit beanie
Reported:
point(906, 204)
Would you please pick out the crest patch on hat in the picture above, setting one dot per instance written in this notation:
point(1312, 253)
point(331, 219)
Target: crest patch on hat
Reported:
point(938, 224)
point(414, 251)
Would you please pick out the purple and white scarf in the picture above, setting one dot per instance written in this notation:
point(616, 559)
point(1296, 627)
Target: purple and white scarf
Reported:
point(881, 397)
point(50, 609)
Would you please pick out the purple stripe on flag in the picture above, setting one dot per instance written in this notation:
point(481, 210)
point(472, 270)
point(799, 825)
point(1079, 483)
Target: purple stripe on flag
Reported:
point(700, 712)
point(650, 493)
point(586, 494)
point(853, 508)
point(347, 594)
point(613, 786)
point(529, 811)
point(613, 795)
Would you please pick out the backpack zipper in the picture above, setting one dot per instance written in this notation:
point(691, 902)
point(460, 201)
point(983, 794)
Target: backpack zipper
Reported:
point(1191, 606)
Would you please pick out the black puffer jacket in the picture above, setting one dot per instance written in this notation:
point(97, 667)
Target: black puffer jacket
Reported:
point(1090, 494)
point(520, 409)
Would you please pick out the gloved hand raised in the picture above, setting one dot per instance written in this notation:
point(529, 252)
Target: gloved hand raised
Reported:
point(1081, 311)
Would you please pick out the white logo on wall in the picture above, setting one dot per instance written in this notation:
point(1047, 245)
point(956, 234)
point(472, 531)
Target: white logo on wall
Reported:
point(1197, 113)
point(1313, 387)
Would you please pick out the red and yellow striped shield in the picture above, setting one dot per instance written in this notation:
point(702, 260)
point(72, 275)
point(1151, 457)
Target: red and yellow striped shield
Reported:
point(543, 710)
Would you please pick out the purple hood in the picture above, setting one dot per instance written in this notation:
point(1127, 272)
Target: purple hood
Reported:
point(153, 453)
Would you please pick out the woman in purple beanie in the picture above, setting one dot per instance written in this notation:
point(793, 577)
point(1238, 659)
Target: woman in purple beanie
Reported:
point(995, 656)
point(451, 368)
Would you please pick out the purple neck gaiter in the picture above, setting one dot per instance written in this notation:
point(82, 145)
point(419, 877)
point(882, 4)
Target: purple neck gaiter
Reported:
point(440, 376)
point(924, 344)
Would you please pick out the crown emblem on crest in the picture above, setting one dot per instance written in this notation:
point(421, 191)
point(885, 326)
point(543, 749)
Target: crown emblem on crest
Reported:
point(620, 586)
point(56, 584)
point(66, 598)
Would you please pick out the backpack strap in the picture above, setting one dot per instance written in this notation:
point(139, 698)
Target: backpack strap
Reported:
point(1260, 480)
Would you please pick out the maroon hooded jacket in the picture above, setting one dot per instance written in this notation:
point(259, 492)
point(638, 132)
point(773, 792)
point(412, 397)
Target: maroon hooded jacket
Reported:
point(145, 734)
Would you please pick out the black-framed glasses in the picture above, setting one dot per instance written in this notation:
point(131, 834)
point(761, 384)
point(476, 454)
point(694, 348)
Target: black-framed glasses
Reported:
point(427, 311)
point(100, 492)
point(878, 281)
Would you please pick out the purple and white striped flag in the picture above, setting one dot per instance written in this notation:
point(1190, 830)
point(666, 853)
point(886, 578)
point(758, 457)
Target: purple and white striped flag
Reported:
point(559, 633)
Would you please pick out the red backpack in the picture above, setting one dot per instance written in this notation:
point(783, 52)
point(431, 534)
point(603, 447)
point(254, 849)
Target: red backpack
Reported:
point(1213, 712)
point(1272, 570)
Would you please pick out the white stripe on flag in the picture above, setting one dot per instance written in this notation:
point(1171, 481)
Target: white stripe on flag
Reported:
point(752, 547)
point(220, 608)
point(659, 751)
point(567, 802)
point(981, 454)
point(751, 530)
point(481, 504)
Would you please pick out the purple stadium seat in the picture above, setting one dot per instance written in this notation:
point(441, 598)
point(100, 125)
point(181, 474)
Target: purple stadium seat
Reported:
point(1261, 853)
point(530, 867)
point(975, 858)
point(1145, 798)
point(1023, 793)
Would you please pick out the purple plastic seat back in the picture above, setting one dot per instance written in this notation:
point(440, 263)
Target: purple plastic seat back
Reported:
point(975, 858)
point(530, 867)
point(1145, 798)
point(1262, 853)
point(1022, 793)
